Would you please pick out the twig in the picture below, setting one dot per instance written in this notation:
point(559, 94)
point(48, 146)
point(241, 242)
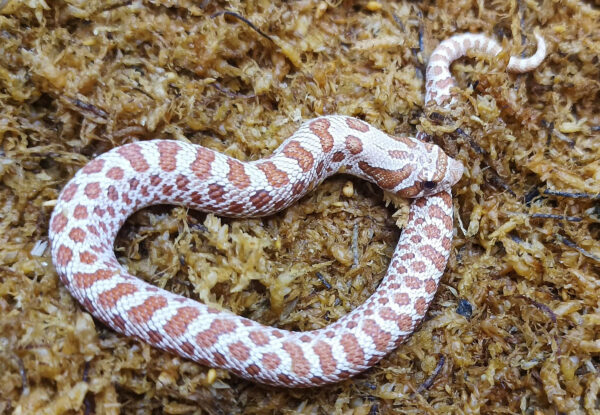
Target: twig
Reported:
point(437, 117)
point(579, 249)
point(540, 306)
point(554, 216)
point(132, 130)
point(323, 280)
point(398, 22)
point(547, 216)
point(370, 385)
point(573, 195)
point(472, 142)
point(199, 227)
point(355, 244)
point(88, 401)
point(495, 179)
point(23, 373)
point(243, 19)
point(549, 126)
point(532, 194)
point(90, 108)
point(421, 33)
point(86, 372)
point(516, 238)
point(229, 93)
point(429, 381)
point(114, 6)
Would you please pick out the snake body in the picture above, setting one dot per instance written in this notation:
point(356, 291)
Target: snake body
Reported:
point(98, 199)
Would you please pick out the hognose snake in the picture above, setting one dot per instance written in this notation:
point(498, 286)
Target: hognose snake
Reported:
point(99, 198)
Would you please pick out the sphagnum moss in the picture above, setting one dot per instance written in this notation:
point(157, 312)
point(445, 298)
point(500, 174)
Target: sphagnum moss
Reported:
point(77, 79)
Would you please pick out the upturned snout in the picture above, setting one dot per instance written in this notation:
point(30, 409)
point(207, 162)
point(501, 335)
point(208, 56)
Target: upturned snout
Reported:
point(455, 171)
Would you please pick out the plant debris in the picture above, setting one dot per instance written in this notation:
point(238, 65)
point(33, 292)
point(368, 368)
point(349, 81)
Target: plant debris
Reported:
point(79, 78)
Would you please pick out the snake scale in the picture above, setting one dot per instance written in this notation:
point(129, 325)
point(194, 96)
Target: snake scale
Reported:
point(98, 199)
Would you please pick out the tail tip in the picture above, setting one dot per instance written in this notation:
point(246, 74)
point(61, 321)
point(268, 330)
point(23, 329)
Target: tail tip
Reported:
point(517, 64)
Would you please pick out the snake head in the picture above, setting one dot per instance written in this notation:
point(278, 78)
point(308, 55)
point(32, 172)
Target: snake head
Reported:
point(438, 172)
point(435, 172)
point(408, 167)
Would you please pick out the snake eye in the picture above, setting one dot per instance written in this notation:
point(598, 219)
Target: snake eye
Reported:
point(429, 185)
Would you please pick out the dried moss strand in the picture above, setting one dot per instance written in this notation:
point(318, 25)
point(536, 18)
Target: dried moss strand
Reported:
point(243, 19)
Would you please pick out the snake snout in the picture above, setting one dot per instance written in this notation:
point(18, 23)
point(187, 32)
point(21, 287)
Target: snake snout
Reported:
point(455, 171)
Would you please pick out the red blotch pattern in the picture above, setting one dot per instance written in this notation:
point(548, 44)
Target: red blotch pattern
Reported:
point(300, 365)
point(85, 280)
point(304, 157)
point(63, 256)
point(115, 173)
point(58, 223)
point(69, 192)
point(354, 352)
point(327, 362)
point(94, 166)
point(168, 155)
point(357, 125)
point(239, 351)
point(259, 338)
point(133, 154)
point(88, 257)
point(218, 327)
point(109, 298)
point(320, 128)
point(201, 166)
point(338, 157)
point(353, 145)
point(271, 361)
point(179, 323)
point(143, 313)
point(276, 177)
point(237, 174)
point(92, 190)
point(381, 339)
point(80, 212)
point(77, 235)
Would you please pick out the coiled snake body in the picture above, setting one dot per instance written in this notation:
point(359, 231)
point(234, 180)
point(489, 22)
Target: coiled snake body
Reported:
point(99, 198)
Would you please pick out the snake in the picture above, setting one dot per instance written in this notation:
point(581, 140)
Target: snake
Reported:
point(97, 200)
